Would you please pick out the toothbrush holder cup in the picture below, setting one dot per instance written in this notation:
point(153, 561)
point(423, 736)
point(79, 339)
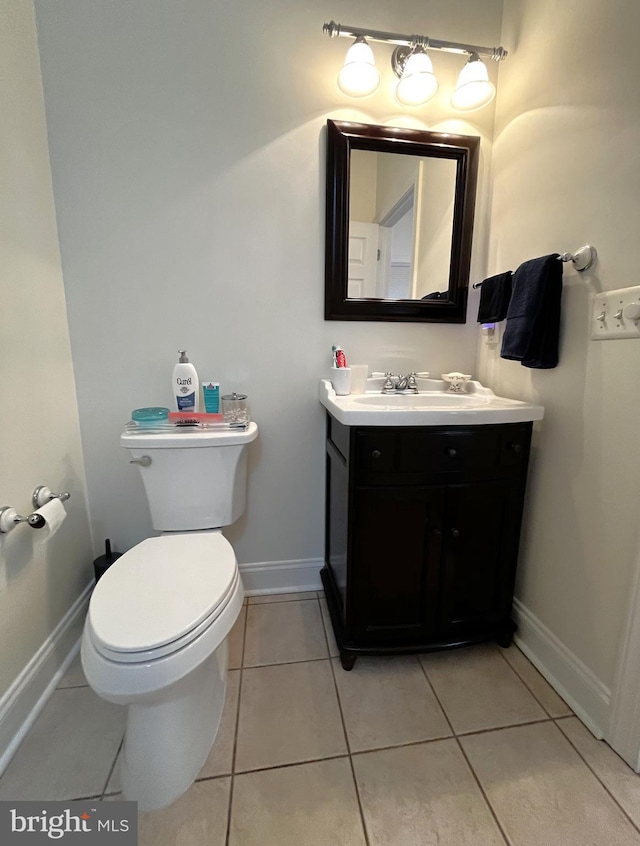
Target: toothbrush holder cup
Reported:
point(341, 380)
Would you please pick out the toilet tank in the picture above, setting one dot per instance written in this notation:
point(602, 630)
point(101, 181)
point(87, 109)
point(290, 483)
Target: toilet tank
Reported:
point(194, 479)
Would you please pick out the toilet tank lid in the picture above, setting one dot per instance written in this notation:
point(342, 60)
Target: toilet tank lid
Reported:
point(161, 589)
point(189, 438)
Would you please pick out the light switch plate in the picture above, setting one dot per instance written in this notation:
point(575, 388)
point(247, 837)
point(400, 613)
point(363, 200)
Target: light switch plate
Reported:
point(604, 323)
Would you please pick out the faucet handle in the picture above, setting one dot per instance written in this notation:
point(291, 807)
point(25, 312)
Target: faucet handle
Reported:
point(389, 384)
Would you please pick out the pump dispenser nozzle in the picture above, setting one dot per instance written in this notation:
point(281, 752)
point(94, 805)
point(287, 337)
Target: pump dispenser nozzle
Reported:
point(184, 359)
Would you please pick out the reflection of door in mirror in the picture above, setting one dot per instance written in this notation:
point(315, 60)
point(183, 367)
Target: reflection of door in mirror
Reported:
point(363, 260)
point(396, 253)
point(401, 218)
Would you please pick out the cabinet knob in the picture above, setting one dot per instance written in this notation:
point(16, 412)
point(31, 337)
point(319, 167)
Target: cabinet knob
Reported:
point(437, 533)
point(515, 448)
point(452, 453)
point(455, 533)
point(376, 454)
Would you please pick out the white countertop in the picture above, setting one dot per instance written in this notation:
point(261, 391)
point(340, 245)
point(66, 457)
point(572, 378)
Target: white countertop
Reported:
point(434, 405)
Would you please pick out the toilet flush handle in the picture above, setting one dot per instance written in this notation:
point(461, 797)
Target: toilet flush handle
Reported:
point(143, 461)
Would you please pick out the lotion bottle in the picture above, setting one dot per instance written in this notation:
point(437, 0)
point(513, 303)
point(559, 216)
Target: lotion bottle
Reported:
point(186, 387)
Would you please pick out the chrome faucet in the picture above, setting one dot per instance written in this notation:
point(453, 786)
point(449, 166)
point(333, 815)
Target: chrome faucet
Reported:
point(407, 383)
point(400, 384)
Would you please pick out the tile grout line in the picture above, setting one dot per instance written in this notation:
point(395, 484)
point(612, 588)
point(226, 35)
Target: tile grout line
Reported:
point(405, 745)
point(354, 752)
point(290, 764)
point(344, 729)
point(111, 770)
point(279, 601)
point(344, 726)
point(212, 778)
point(462, 752)
point(524, 682)
point(595, 774)
point(555, 721)
point(237, 723)
point(482, 791)
point(297, 763)
point(305, 660)
point(550, 719)
point(437, 698)
point(281, 663)
point(491, 729)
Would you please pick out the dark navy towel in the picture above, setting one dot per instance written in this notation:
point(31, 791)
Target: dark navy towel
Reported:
point(533, 317)
point(495, 293)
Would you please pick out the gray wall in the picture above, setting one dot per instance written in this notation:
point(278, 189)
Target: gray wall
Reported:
point(40, 438)
point(567, 172)
point(187, 149)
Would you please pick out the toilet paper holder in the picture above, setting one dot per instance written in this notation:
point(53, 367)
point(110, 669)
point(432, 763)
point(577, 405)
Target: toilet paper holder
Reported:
point(42, 495)
point(9, 517)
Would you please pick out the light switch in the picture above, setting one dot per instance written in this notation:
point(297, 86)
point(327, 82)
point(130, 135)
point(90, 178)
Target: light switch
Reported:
point(616, 314)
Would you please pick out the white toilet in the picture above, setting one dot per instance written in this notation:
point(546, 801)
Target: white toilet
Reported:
point(155, 634)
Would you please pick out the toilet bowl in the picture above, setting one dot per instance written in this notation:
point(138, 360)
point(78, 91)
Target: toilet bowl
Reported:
point(164, 655)
point(155, 635)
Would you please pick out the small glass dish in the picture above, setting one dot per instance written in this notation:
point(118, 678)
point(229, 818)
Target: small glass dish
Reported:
point(150, 416)
point(235, 408)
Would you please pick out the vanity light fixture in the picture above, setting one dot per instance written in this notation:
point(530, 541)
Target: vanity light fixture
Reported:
point(359, 75)
point(474, 90)
point(417, 83)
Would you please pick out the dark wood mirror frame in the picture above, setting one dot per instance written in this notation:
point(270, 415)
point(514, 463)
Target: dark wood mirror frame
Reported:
point(343, 137)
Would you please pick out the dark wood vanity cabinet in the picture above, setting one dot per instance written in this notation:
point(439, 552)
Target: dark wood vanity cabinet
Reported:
point(422, 532)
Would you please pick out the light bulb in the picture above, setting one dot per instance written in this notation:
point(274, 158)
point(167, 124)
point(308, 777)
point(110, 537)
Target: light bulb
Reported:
point(473, 90)
point(417, 84)
point(359, 76)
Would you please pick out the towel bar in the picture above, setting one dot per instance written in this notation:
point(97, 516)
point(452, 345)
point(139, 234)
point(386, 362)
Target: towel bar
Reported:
point(582, 259)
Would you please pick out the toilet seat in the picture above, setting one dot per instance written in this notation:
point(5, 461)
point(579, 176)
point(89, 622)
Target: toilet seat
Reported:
point(161, 595)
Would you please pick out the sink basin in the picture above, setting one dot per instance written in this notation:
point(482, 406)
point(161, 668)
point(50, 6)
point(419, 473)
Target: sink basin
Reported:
point(422, 400)
point(434, 405)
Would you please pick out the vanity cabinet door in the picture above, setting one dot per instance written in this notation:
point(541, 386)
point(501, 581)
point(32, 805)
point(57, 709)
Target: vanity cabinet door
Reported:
point(395, 549)
point(481, 531)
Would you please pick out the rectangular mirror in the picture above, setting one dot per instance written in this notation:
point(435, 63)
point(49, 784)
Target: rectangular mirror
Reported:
point(400, 206)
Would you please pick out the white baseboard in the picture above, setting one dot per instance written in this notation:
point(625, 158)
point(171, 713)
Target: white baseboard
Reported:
point(282, 576)
point(581, 689)
point(24, 700)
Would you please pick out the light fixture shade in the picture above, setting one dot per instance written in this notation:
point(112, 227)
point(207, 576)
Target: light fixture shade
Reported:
point(417, 84)
point(473, 90)
point(359, 76)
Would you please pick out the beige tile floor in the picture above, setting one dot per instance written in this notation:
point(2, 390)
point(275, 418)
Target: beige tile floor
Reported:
point(463, 748)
